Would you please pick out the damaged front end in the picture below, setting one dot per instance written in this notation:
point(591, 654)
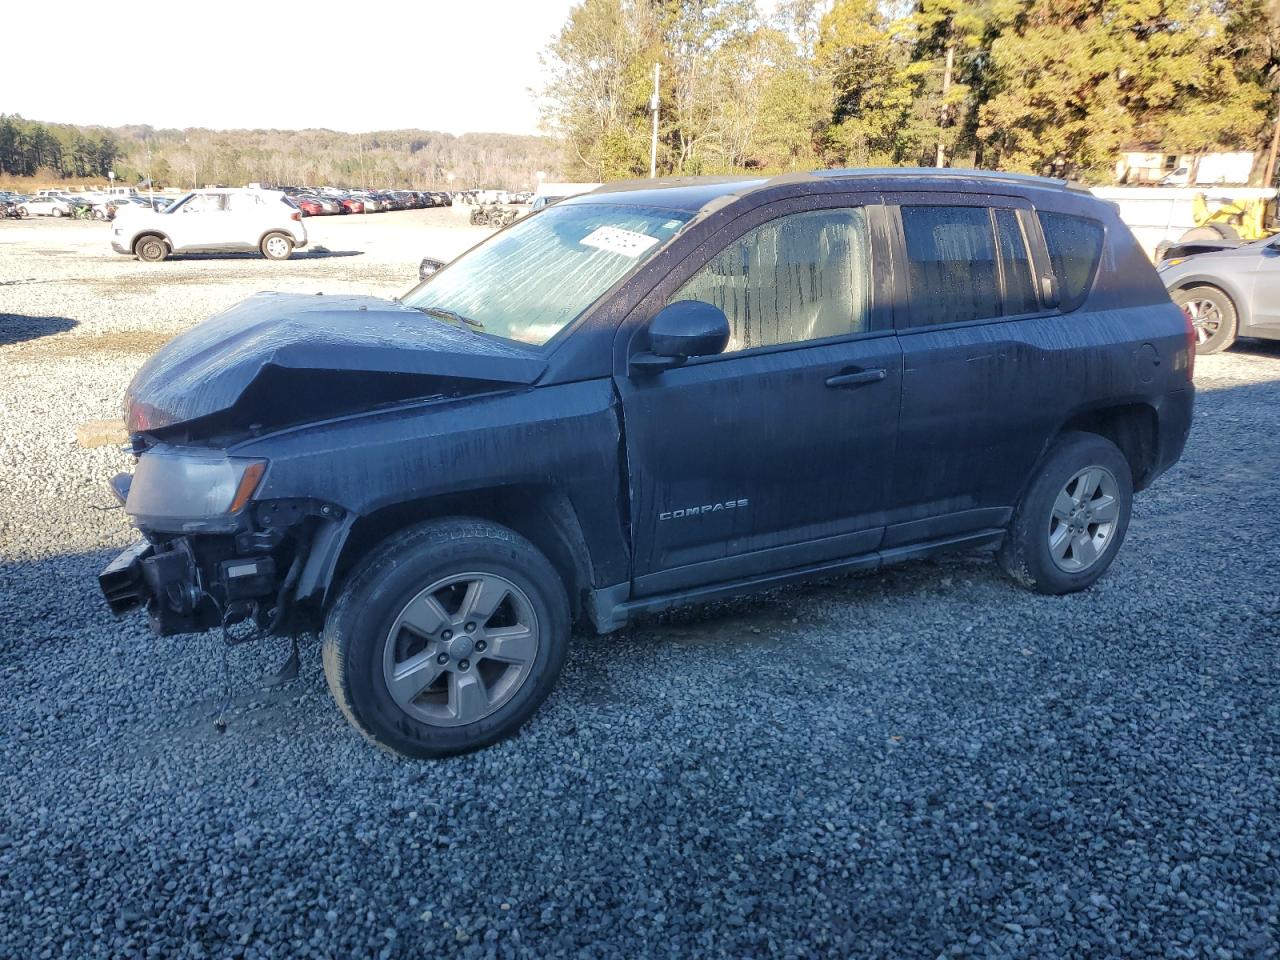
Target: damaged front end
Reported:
point(220, 548)
point(213, 556)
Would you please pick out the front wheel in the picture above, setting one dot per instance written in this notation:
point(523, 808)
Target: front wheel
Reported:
point(1212, 316)
point(277, 246)
point(151, 249)
point(446, 638)
point(1072, 520)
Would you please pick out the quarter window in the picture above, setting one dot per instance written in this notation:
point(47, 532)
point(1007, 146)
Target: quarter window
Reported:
point(1075, 246)
point(951, 264)
point(801, 277)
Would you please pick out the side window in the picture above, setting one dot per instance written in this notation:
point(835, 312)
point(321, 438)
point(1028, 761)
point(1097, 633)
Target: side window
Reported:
point(1075, 246)
point(801, 277)
point(951, 266)
point(1015, 261)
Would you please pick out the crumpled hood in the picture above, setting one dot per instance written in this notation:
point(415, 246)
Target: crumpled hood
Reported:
point(276, 359)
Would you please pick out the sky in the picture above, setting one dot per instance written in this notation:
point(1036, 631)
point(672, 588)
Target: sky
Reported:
point(457, 66)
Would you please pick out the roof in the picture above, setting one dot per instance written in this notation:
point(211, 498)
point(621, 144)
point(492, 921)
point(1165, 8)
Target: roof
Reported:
point(692, 194)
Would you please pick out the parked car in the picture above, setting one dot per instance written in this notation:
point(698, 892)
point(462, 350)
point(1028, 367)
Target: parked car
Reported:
point(221, 219)
point(351, 205)
point(47, 205)
point(309, 206)
point(643, 397)
point(1228, 293)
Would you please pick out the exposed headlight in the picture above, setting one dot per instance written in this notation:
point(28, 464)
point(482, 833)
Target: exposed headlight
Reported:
point(188, 485)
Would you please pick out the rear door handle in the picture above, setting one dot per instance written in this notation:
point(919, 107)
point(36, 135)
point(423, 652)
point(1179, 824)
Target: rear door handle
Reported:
point(859, 378)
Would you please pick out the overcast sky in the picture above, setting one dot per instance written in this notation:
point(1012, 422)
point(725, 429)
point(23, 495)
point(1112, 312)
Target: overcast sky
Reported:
point(452, 65)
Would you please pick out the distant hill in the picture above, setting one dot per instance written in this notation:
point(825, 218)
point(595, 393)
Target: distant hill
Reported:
point(390, 158)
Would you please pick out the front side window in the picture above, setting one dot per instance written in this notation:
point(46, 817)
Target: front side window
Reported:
point(533, 279)
point(951, 264)
point(1075, 246)
point(806, 276)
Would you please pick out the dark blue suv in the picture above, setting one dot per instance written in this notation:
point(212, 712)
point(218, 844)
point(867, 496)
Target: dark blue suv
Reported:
point(658, 393)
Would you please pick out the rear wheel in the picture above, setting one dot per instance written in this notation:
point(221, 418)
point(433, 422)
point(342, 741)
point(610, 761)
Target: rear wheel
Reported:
point(1072, 520)
point(1212, 315)
point(277, 246)
point(447, 638)
point(151, 249)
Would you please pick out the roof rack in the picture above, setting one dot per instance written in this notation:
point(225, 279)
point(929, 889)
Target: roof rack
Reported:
point(956, 172)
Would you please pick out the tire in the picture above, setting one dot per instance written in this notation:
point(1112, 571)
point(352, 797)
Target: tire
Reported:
point(151, 249)
point(1042, 519)
point(1212, 314)
point(277, 246)
point(59, 213)
point(1226, 231)
point(367, 642)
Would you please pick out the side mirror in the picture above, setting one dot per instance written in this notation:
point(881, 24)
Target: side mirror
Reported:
point(428, 267)
point(680, 330)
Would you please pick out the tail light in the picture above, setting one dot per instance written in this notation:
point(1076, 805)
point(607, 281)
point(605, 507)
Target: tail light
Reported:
point(1191, 345)
point(296, 215)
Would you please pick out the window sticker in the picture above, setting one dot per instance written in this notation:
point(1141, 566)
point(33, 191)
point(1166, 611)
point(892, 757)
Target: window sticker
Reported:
point(627, 243)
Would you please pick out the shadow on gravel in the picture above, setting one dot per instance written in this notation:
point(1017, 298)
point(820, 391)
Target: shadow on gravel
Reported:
point(17, 327)
point(1256, 348)
point(315, 253)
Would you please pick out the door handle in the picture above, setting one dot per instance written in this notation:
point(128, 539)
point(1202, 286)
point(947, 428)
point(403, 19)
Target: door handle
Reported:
point(858, 378)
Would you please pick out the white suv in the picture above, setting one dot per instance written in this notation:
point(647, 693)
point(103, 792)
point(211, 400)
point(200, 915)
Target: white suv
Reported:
point(213, 220)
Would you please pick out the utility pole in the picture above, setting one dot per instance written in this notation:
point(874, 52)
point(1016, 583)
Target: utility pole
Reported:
point(940, 158)
point(653, 142)
point(1271, 155)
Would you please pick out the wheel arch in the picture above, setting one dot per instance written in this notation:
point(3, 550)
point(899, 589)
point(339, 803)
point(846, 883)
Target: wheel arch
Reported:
point(1133, 427)
point(273, 230)
point(144, 234)
point(543, 515)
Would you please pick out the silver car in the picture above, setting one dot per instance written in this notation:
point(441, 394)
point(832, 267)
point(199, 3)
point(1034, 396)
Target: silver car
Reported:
point(1228, 293)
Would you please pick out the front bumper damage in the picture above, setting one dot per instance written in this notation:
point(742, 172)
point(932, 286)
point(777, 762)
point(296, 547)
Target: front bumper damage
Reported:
point(190, 583)
point(186, 588)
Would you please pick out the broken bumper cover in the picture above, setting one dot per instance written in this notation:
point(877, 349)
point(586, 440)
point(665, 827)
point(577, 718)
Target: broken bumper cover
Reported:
point(177, 583)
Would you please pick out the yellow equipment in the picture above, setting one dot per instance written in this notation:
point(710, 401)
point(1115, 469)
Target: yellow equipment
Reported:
point(1248, 217)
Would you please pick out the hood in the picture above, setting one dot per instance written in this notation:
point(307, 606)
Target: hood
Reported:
point(277, 359)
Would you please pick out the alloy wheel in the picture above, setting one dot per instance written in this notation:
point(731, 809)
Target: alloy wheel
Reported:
point(1205, 317)
point(460, 649)
point(1084, 518)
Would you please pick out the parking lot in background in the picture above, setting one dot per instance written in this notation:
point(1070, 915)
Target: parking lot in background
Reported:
point(926, 761)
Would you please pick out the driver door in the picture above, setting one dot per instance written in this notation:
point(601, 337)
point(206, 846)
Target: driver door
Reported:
point(774, 454)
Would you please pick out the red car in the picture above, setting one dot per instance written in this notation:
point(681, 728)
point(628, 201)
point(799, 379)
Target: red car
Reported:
point(351, 205)
point(309, 207)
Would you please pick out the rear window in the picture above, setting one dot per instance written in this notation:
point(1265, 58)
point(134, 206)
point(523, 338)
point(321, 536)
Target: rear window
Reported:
point(1075, 246)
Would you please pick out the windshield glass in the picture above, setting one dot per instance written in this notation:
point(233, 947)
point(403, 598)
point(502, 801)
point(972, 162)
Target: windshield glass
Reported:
point(532, 280)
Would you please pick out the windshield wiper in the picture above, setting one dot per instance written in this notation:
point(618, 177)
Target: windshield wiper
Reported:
point(453, 315)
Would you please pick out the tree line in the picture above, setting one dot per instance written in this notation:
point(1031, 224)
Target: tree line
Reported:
point(415, 159)
point(54, 151)
point(1039, 86)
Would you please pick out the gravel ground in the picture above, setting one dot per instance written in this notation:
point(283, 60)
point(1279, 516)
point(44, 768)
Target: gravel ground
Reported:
point(925, 762)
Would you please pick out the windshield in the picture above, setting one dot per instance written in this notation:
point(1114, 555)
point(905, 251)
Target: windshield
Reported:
point(531, 281)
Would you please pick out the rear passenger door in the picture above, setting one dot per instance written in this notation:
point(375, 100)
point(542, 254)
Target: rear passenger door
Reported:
point(974, 371)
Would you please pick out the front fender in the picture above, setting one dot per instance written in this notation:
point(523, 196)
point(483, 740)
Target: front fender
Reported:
point(566, 436)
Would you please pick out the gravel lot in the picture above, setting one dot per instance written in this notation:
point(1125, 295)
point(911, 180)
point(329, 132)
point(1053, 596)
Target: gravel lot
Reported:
point(926, 762)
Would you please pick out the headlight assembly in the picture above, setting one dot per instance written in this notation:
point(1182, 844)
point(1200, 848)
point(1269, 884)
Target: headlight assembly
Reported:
point(195, 488)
